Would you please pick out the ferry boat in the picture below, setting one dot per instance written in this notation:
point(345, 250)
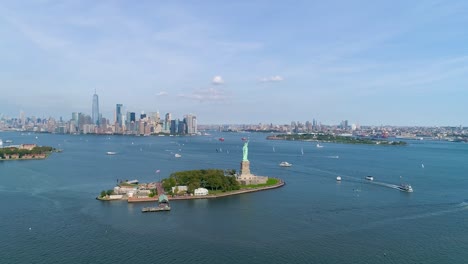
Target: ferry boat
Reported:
point(369, 178)
point(285, 164)
point(405, 188)
point(111, 153)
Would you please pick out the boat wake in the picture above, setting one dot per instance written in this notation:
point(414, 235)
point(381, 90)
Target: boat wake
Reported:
point(454, 209)
point(359, 180)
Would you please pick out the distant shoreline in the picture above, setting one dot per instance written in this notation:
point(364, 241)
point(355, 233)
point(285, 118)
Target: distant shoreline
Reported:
point(330, 138)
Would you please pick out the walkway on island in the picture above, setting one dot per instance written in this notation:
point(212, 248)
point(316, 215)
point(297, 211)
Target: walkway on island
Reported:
point(160, 188)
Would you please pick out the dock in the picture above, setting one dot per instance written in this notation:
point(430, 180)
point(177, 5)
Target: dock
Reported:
point(163, 205)
point(156, 209)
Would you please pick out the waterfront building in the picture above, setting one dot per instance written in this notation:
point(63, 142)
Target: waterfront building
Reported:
point(167, 123)
point(191, 124)
point(182, 127)
point(95, 110)
point(174, 126)
point(74, 121)
point(180, 188)
point(200, 192)
point(118, 115)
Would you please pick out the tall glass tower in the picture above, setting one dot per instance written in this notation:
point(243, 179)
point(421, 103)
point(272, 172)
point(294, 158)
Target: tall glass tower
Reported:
point(118, 114)
point(95, 113)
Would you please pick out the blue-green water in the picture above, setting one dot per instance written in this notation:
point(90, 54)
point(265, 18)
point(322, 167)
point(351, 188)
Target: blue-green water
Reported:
point(49, 213)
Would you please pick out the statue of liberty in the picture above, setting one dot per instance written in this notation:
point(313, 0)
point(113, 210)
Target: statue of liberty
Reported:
point(245, 150)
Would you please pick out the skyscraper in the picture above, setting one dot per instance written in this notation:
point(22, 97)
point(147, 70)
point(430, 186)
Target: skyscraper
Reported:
point(95, 113)
point(118, 114)
point(191, 124)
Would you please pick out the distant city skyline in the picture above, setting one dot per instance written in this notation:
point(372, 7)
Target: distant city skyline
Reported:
point(374, 63)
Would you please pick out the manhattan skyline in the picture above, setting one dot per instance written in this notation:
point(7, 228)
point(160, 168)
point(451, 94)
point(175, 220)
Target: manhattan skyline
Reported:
point(397, 63)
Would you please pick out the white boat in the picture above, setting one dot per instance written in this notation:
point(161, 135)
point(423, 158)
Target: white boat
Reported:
point(369, 178)
point(319, 146)
point(422, 166)
point(338, 178)
point(111, 153)
point(405, 188)
point(285, 164)
point(177, 155)
point(8, 141)
point(302, 151)
point(1, 143)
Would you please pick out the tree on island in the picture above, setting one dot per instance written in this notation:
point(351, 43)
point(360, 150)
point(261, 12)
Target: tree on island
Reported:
point(211, 179)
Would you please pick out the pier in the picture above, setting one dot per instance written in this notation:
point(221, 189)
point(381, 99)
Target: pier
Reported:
point(163, 205)
point(155, 209)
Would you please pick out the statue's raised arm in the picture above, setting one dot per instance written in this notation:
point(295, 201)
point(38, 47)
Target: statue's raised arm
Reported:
point(245, 151)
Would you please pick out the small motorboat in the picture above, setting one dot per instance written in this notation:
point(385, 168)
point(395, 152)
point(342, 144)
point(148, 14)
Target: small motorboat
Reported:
point(111, 153)
point(285, 164)
point(405, 188)
point(177, 155)
point(338, 178)
point(369, 178)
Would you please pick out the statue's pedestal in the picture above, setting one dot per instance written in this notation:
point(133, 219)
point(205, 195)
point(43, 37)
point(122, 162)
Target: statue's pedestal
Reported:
point(246, 178)
point(245, 168)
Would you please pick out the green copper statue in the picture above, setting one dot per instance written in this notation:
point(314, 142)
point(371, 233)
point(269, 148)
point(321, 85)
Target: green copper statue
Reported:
point(245, 150)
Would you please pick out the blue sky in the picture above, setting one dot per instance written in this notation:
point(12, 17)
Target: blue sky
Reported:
point(371, 62)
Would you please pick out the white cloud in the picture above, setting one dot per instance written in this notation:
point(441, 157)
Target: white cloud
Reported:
point(276, 78)
point(217, 80)
point(204, 95)
point(162, 93)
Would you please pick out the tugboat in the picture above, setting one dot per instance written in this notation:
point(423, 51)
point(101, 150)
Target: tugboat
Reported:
point(285, 164)
point(405, 188)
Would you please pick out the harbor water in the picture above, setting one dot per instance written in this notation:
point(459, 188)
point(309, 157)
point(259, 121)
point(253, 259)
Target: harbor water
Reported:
point(49, 214)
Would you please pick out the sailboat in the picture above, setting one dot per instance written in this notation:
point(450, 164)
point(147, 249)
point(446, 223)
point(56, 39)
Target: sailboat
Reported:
point(302, 151)
point(422, 165)
point(274, 149)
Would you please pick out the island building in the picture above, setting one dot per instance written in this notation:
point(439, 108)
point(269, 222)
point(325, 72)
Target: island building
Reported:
point(200, 192)
point(180, 188)
point(246, 177)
